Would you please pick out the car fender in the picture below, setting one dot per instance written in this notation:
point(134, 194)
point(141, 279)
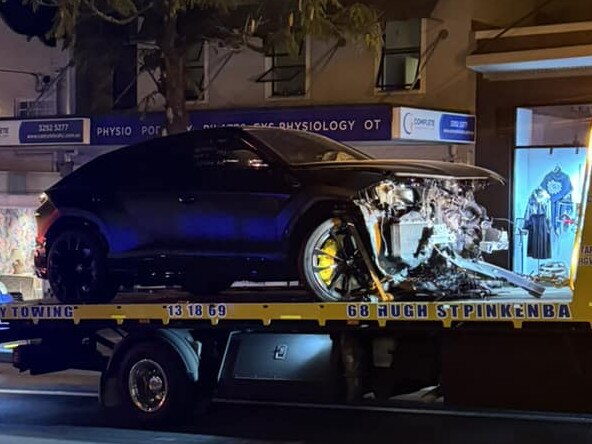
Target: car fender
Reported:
point(72, 214)
point(310, 212)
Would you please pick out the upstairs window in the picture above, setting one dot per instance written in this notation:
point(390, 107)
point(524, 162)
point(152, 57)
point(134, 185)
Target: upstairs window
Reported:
point(195, 72)
point(34, 108)
point(401, 54)
point(286, 74)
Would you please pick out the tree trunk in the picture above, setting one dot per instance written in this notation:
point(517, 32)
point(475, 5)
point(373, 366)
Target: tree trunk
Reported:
point(173, 79)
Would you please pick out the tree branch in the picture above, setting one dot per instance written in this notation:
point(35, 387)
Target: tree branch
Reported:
point(240, 39)
point(117, 21)
point(253, 47)
point(49, 4)
point(146, 101)
point(157, 83)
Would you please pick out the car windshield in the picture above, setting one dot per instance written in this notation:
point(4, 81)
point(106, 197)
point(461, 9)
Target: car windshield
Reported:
point(301, 147)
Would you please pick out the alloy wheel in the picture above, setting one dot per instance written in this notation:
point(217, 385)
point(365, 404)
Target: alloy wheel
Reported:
point(333, 265)
point(73, 267)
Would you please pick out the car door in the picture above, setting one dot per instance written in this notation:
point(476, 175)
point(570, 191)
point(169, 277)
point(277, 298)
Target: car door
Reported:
point(148, 181)
point(233, 205)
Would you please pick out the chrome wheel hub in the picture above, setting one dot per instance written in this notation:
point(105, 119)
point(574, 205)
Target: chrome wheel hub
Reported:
point(148, 385)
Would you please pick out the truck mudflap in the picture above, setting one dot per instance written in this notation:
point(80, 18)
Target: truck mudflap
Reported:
point(495, 272)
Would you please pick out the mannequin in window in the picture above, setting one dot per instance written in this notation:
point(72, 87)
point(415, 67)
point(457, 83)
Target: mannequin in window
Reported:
point(559, 187)
point(537, 221)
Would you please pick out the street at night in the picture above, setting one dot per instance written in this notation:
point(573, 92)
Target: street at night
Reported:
point(295, 221)
point(63, 407)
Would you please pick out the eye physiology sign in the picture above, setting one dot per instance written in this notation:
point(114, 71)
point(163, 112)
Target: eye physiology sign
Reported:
point(372, 122)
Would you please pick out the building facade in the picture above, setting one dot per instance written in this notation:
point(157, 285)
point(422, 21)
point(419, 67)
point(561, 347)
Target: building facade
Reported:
point(534, 105)
point(443, 62)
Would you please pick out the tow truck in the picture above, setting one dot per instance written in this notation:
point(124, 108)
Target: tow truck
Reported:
point(159, 358)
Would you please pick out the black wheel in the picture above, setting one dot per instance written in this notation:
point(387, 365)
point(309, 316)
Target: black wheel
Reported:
point(331, 265)
point(77, 269)
point(155, 385)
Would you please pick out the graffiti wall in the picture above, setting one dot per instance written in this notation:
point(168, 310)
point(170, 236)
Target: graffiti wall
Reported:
point(17, 240)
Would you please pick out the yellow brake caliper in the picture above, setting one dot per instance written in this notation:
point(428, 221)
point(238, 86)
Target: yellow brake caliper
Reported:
point(326, 262)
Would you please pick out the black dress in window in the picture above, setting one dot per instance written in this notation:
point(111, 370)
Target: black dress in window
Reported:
point(537, 221)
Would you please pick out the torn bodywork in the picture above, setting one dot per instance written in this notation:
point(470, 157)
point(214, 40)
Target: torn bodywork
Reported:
point(429, 235)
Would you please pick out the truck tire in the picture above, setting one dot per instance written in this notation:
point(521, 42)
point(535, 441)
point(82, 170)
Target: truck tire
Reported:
point(155, 385)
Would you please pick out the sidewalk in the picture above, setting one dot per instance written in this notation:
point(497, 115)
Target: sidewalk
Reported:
point(69, 380)
point(96, 435)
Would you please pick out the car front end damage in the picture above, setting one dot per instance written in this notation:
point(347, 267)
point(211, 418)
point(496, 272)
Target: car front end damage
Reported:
point(428, 236)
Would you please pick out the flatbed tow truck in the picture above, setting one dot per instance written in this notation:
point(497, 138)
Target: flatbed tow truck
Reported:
point(160, 357)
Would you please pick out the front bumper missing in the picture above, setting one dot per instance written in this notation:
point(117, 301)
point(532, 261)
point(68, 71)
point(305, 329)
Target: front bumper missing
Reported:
point(495, 272)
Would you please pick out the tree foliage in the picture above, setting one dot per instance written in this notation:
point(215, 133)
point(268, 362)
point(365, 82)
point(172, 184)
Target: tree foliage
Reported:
point(173, 26)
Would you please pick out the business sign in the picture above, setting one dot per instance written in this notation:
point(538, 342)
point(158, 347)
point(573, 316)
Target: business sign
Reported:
point(340, 123)
point(45, 132)
point(461, 311)
point(432, 126)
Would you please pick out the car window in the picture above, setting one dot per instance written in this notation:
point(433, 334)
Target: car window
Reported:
point(225, 152)
point(300, 147)
point(157, 163)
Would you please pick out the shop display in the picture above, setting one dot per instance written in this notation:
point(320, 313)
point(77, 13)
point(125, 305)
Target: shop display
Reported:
point(537, 222)
point(547, 192)
point(265, 204)
point(558, 186)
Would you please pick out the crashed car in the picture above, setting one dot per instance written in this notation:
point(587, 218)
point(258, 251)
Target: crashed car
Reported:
point(206, 208)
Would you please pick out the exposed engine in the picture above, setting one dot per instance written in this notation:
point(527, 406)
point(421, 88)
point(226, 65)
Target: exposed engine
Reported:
point(433, 233)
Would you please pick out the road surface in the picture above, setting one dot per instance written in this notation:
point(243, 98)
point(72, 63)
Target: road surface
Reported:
point(63, 408)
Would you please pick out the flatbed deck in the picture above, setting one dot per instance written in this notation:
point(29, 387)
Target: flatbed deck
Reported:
point(273, 306)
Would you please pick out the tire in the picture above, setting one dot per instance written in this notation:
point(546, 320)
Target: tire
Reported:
point(77, 269)
point(330, 264)
point(155, 386)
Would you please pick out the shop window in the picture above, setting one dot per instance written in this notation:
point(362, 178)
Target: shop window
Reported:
point(400, 57)
point(548, 187)
point(195, 72)
point(287, 73)
point(548, 190)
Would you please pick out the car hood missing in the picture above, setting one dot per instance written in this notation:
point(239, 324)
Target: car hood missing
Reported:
point(410, 168)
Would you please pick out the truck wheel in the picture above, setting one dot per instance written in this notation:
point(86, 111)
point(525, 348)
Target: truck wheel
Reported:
point(77, 268)
point(155, 385)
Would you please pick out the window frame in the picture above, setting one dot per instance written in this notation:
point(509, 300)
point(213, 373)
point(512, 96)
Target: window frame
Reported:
point(204, 49)
point(46, 107)
point(381, 89)
point(269, 68)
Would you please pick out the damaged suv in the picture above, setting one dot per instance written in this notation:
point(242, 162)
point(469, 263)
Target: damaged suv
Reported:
point(204, 209)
